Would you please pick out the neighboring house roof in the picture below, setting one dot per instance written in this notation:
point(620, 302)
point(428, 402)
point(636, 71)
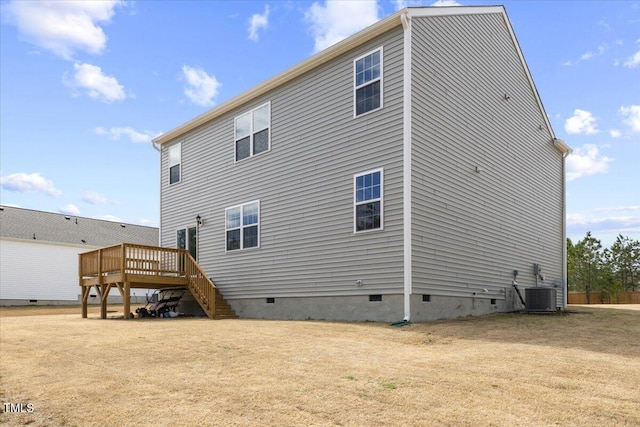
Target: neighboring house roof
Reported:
point(369, 33)
point(26, 224)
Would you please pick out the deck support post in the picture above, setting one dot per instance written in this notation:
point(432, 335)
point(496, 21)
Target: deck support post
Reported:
point(125, 292)
point(103, 291)
point(127, 300)
point(85, 296)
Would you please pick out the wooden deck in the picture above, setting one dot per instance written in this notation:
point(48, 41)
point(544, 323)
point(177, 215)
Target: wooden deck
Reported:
point(129, 266)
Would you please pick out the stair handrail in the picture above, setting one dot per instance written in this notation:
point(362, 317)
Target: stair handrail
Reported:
point(203, 288)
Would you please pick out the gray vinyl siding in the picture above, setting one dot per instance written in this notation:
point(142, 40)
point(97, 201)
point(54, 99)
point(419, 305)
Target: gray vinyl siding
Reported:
point(471, 230)
point(305, 187)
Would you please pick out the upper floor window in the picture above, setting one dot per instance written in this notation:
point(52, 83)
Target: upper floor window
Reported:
point(243, 226)
point(368, 205)
point(175, 155)
point(368, 82)
point(252, 132)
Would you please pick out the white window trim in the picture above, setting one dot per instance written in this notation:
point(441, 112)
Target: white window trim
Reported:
point(186, 228)
point(179, 145)
point(381, 79)
point(242, 226)
point(251, 132)
point(381, 199)
point(186, 237)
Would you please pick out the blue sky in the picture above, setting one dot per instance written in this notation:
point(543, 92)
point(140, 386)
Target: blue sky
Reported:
point(86, 85)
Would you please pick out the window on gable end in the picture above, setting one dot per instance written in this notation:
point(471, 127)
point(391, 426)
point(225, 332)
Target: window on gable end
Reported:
point(175, 158)
point(252, 132)
point(367, 74)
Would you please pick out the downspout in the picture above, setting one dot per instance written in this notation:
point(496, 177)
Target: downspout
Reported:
point(158, 149)
point(406, 165)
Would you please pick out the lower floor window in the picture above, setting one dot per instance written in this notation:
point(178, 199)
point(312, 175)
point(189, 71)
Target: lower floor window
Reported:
point(368, 201)
point(368, 216)
point(243, 226)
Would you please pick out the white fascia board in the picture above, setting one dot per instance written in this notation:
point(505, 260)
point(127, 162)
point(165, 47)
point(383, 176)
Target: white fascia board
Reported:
point(428, 12)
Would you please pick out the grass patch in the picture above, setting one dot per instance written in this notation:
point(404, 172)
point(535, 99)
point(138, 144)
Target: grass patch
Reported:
point(494, 370)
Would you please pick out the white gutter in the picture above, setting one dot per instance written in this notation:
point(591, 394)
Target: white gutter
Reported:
point(406, 165)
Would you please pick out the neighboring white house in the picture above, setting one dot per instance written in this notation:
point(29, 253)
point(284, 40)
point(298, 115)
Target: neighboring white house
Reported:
point(39, 252)
point(406, 172)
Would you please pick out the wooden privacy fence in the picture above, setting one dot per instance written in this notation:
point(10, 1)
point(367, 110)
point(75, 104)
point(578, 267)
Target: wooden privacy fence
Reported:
point(600, 298)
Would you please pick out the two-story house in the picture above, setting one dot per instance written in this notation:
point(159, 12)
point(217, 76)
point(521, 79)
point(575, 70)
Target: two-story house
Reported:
point(404, 173)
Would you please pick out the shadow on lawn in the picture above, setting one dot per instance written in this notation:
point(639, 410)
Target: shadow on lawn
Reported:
point(602, 330)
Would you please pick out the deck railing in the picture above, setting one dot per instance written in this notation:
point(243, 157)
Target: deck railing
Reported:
point(128, 258)
point(138, 263)
point(200, 285)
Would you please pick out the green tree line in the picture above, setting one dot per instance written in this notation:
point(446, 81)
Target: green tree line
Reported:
point(610, 271)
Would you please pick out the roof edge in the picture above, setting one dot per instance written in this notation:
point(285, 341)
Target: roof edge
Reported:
point(340, 48)
point(428, 12)
point(308, 64)
point(82, 246)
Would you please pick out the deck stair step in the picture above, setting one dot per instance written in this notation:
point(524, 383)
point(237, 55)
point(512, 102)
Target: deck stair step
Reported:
point(205, 292)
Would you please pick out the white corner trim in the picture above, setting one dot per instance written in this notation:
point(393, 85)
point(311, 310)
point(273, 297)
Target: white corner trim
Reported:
point(406, 166)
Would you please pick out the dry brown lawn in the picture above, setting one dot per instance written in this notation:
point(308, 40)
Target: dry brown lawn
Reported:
point(576, 369)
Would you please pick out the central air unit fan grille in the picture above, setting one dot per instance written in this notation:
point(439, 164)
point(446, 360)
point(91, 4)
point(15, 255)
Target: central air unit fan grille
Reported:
point(540, 299)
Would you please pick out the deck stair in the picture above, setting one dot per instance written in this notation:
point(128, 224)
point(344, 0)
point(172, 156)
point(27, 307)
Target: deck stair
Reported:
point(128, 266)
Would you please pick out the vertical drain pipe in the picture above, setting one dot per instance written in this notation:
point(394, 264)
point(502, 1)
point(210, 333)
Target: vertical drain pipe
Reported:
point(406, 164)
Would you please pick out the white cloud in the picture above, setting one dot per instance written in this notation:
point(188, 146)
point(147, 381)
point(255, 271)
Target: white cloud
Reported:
point(615, 133)
point(633, 61)
point(585, 161)
point(202, 88)
point(63, 27)
point(337, 20)
point(146, 222)
point(98, 85)
point(632, 117)
point(132, 134)
point(578, 224)
point(111, 218)
point(257, 22)
point(70, 209)
point(94, 198)
point(444, 3)
point(619, 209)
point(29, 183)
point(401, 4)
point(604, 24)
point(581, 122)
point(588, 55)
